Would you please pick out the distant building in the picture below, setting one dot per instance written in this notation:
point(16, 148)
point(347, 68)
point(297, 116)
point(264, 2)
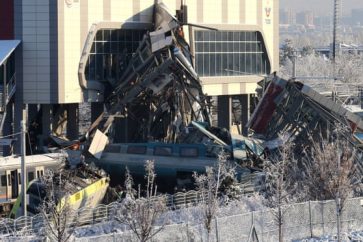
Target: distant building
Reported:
point(305, 18)
point(323, 21)
point(341, 48)
point(287, 17)
point(284, 17)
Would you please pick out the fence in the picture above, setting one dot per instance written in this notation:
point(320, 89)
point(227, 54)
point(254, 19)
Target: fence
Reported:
point(303, 220)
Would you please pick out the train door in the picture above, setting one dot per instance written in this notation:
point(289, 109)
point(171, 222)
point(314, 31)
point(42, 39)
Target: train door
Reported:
point(14, 183)
point(39, 171)
point(8, 185)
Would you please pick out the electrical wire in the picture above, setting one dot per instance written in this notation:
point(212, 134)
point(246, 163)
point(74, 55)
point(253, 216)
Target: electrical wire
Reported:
point(5, 136)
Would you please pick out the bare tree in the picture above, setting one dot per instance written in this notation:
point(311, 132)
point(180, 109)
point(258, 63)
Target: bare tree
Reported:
point(279, 187)
point(330, 172)
point(143, 215)
point(59, 219)
point(208, 185)
point(217, 181)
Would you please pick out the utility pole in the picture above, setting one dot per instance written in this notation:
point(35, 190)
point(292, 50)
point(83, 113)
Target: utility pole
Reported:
point(23, 166)
point(335, 27)
point(338, 202)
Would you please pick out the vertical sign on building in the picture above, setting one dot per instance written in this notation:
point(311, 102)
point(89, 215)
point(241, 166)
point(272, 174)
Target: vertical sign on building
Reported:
point(268, 11)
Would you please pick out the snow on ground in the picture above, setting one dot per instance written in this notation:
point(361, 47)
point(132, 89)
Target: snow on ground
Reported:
point(99, 229)
point(191, 215)
point(352, 236)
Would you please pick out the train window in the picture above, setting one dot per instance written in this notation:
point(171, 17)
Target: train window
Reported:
point(3, 180)
point(38, 174)
point(163, 150)
point(112, 149)
point(136, 149)
point(30, 176)
point(19, 178)
point(188, 152)
point(9, 180)
point(41, 173)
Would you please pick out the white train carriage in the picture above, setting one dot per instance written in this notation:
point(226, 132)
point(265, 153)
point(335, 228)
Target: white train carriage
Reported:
point(10, 173)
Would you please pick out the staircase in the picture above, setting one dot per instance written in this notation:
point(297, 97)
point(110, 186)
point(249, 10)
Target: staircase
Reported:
point(7, 91)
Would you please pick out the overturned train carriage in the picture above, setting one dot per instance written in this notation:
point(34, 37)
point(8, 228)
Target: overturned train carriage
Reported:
point(294, 108)
point(290, 110)
point(81, 188)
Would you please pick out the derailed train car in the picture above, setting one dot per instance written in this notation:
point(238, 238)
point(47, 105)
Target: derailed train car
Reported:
point(293, 111)
point(10, 177)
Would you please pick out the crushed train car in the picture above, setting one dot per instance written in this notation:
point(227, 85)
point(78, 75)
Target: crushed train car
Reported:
point(290, 110)
point(296, 109)
point(82, 187)
point(174, 163)
point(10, 166)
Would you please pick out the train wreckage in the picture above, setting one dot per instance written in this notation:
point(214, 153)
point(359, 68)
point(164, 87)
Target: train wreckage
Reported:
point(160, 92)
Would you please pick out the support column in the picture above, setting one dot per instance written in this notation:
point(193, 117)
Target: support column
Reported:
point(8, 127)
point(96, 110)
point(34, 129)
point(46, 124)
point(32, 113)
point(72, 123)
point(245, 112)
point(224, 112)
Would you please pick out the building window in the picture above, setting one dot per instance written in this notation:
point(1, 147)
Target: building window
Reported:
point(111, 52)
point(230, 53)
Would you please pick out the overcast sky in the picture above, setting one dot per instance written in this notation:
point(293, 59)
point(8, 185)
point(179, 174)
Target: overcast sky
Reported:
point(320, 6)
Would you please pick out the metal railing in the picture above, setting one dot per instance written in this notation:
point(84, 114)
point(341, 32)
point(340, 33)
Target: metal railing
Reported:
point(90, 216)
point(303, 220)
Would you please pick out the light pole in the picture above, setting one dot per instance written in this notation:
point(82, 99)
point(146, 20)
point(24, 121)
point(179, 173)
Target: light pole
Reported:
point(23, 166)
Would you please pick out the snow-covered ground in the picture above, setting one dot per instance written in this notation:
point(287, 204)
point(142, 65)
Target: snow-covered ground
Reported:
point(352, 236)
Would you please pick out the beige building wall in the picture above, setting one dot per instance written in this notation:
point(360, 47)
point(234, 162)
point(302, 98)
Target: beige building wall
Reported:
point(253, 15)
point(42, 84)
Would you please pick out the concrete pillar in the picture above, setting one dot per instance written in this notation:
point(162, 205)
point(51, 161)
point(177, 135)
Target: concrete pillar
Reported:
point(96, 110)
point(32, 112)
point(46, 123)
point(245, 112)
point(8, 127)
point(224, 112)
point(72, 122)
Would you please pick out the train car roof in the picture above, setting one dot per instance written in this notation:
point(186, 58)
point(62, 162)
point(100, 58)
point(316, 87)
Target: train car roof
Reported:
point(30, 159)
